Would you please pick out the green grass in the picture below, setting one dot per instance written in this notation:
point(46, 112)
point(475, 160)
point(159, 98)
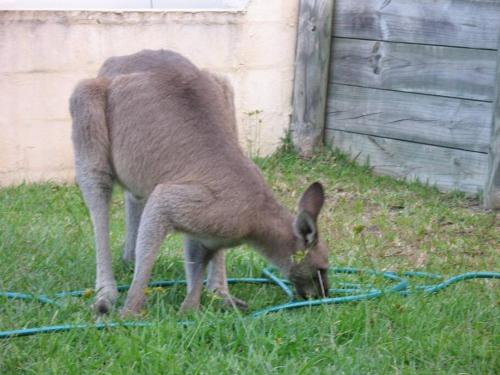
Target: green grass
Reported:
point(46, 245)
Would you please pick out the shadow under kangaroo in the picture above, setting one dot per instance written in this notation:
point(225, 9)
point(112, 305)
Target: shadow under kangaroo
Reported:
point(166, 131)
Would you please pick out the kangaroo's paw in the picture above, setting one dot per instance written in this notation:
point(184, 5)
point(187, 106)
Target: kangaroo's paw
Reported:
point(232, 302)
point(105, 300)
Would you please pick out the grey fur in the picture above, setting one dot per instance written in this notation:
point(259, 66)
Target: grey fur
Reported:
point(166, 131)
point(133, 212)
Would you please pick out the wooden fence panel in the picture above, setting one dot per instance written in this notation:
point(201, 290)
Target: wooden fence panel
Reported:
point(492, 188)
point(447, 168)
point(411, 88)
point(457, 72)
point(460, 23)
point(440, 121)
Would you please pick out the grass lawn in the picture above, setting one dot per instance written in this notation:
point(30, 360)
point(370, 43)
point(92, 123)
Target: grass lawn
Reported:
point(46, 246)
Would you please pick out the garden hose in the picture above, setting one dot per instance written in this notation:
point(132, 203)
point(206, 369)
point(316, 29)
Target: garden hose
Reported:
point(350, 292)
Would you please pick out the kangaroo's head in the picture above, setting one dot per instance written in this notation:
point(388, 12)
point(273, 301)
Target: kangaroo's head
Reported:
point(309, 267)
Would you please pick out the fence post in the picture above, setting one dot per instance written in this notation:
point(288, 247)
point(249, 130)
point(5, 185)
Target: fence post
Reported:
point(492, 189)
point(311, 75)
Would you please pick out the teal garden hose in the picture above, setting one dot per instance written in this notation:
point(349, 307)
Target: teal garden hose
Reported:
point(348, 292)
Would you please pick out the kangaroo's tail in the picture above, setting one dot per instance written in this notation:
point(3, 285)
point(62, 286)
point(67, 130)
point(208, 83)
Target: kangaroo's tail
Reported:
point(90, 132)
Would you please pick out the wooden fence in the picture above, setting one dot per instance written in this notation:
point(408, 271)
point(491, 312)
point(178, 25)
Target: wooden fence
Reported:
point(412, 89)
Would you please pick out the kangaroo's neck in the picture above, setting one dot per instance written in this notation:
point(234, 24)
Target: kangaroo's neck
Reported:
point(274, 235)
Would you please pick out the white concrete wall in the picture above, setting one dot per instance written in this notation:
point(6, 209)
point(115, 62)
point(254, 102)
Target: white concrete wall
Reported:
point(44, 54)
point(120, 4)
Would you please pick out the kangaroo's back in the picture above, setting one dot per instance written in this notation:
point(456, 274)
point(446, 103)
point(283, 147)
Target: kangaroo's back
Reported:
point(160, 120)
point(164, 60)
point(144, 61)
point(169, 121)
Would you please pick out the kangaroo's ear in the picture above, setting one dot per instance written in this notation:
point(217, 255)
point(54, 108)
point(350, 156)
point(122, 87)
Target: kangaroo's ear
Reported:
point(312, 200)
point(309, 207)
point(305, 228)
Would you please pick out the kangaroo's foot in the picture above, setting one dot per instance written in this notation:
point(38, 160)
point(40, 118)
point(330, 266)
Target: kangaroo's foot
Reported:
point(193, 304)
point(105, 300)
point(232, 302)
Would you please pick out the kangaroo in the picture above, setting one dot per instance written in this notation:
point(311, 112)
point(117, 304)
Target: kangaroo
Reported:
point(166, 132)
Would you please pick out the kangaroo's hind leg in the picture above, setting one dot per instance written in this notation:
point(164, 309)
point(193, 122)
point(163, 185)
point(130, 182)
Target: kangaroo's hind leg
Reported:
point(133, 212)
point(94, 176)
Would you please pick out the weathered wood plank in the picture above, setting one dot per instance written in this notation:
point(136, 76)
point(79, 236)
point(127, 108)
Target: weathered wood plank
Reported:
point(446, 168)
point(492, 187)
point(460, 23)
point(440, 121)
point(311, 74)
point(457, 72)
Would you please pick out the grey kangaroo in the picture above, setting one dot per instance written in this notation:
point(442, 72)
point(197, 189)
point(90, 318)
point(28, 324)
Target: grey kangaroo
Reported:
point(166, 131)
